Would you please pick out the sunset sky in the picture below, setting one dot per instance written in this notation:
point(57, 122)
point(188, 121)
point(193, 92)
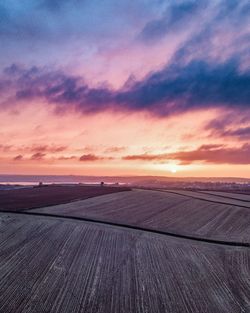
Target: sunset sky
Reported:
point(120, 87)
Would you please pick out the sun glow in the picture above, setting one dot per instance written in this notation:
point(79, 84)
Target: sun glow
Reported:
point(173, 170)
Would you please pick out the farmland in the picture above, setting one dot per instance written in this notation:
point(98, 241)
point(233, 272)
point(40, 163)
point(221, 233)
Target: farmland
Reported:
point(27, 198)
point(230, 195)
point(133, 251)
point(165, 211)
point(224, 198)
point(52, 265)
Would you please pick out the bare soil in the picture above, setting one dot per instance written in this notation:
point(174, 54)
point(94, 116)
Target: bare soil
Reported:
point(50, 265)
point(30, 198)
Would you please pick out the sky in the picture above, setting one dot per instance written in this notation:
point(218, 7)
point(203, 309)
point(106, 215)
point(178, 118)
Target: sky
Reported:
point(143, 87)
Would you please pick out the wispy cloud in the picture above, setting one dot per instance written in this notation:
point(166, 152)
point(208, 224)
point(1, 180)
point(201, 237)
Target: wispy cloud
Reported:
point(230, 125)
point(46, 148)
point(114, 149)
point(37, 156)
point(175, 17)
point(18, 158)
point(93, 158)
point(216, 154)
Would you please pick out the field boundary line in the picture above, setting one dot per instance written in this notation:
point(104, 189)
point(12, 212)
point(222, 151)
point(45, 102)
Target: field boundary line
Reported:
point(194, 197)
point(134, 227)
point(221, 196)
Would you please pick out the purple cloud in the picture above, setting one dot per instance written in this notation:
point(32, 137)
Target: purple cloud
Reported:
point(230, 125)
point(37, 156)
point(174, 89)
point(18, 157)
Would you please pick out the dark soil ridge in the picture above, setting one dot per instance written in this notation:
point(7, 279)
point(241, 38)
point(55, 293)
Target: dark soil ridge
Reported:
point(134, 227)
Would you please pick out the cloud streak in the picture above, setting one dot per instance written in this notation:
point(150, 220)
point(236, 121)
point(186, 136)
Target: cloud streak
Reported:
point(229, 125)
point(93, 158)
point(37, 156)
point(175, 18)
point(175, 89)
point(46, 148)
point(18, 158)
point(216, 154)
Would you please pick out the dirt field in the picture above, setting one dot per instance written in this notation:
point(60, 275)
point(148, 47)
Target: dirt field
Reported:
point(239, 200)
point(27, 198)
point(164, 211)
point(51, 265)
point(242, 197)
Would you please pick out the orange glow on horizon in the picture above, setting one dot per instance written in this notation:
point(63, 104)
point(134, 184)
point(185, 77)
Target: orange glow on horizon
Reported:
point(41, 142)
